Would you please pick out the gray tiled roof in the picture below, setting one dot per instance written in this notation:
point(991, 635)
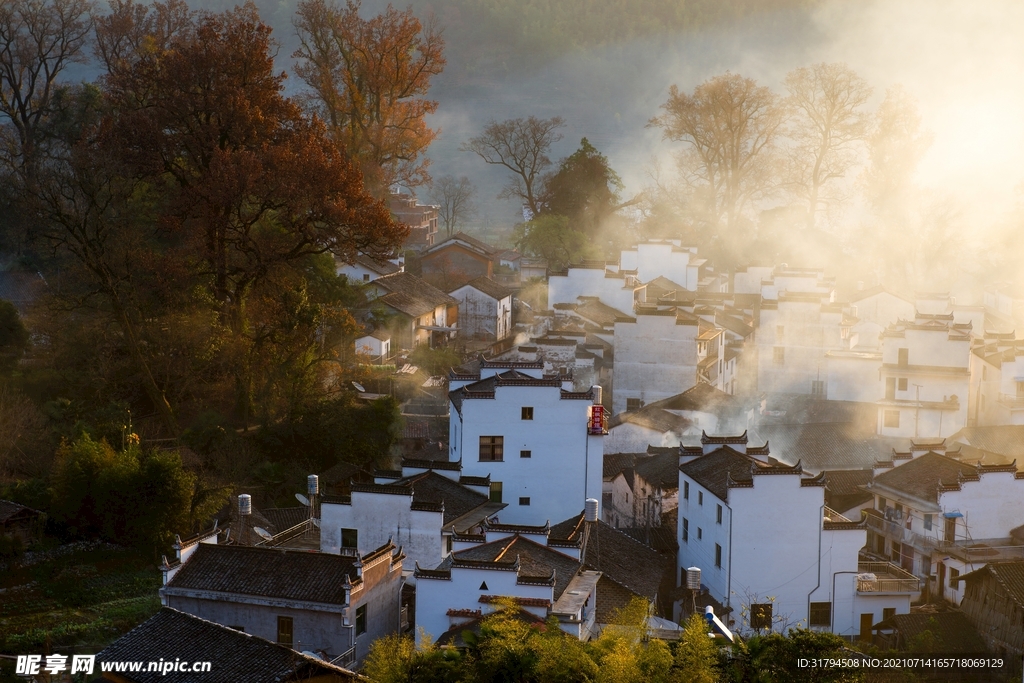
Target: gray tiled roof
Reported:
point(713, 470)
point(828, 445)
point(651, 417)
point(626, 561)
point(701, 397)
point(952, 631)
point(234, 656)
point(431, 487)
point(266, 572)
point(488, 287)
point(661, 469)
point(921, 476)
point(412, 295)
point(1007, 440)
point(535, 559)
point(1009, 574)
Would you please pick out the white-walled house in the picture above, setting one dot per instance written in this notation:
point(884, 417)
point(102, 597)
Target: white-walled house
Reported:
point(540, 443)
point(423, 314)
point(593, 279)
point(939, 517)
point(925, 374)
point(420, 508)
point(518, 564)
point(485, 309)
point(796, 332)
point(366, 269)
point(329, 604)
point(663, 352)
point(376, 344)
point(665, 258)
point(771, 552)
point(880, 306)
point(997, 381)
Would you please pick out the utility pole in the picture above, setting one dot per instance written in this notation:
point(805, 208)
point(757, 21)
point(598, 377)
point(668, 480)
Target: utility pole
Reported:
point(917, 408)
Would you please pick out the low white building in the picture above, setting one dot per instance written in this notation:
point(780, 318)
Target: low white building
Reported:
point(419, 508)
point(485, 309)
point(662, 352)
point(593, 279)
point(880, 306)
point(375, 345)
point(663, 258)
point(940, 517)
point(925, 376)
point(540, 442)
point(366, 269)
point(771, 552)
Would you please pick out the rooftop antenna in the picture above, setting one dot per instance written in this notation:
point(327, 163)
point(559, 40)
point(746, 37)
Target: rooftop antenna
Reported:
point(244, 511)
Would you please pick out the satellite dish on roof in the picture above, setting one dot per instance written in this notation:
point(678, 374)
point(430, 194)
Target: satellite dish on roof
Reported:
point(302, 499)
point(359, 387)
point(263, 533)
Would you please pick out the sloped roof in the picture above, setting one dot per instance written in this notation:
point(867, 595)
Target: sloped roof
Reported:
point(488, 287)
point(535, 560)
point(412, 295)
point(596, 311)
point(285, 518)
point(616, 462)
point(473, 243)
point(431, 487)
point(1006, 440)
point(952, 630)
point(712, 470)
point(921, 476)
point(877, 289)
point(661, 469)
point(236, 656)
point(828, 445)
point(1009, 574)
point(266, 572)
point(633, 565)
point(651, 417)
point(9, 509)
point(660, 286)
point(701, 397)
point(381, 267)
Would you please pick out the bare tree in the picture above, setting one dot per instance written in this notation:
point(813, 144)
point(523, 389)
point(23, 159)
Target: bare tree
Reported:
point(729, 125)
point(454, 199)
point(521, 146)
point(39, 39)
point(828, 123)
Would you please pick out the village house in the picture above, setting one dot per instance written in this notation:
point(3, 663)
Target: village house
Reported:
point(570, 353)
point(616, 288)
point(334, 605)
point(21, 522)
point(639, 488)
point(374, 346)
point(366, 269)
point(459, 259)
point(993, 601)
point(944, 633)
point(666, 259)
point(421, 219)
point(172, 636)
point(661, 352)
point(422, 314)
point(997, 381)
point(421, 508)
point(539, 441)
point(796, 331)
point(731, 498)
point(939, 517)
point(579, 571)
point(925, 373)
point(485, 309)
point(875, 309)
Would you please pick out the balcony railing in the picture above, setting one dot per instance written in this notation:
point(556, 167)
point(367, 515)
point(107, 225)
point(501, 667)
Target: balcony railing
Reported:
point(888, 578)
point(345, 659)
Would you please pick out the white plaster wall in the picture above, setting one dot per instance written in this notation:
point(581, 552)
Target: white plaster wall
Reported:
point(566, 289)
point(356, 273)
point(854, 378)
point(434, 597)
point(660, 260)
point(704, 532)
point(884, 308)
point(654, 358)
point(565, 464)
point(380, 516)
point(748, 280)
point(991, 507)
point(807, 334)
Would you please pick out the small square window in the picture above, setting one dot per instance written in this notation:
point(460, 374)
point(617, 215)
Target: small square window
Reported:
point(525, 454)
point(284, 630)
point(954, 578)
point(496, 492)
point(903, 384)
point(928, 522)
point(527, 412)
point(821, 614)
point(903, 356)
point(888, 613)
point(492, 448)
point(524, 500)
point(891, 418)
point(633, 404)
point(366, 277)
point(350, 538)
